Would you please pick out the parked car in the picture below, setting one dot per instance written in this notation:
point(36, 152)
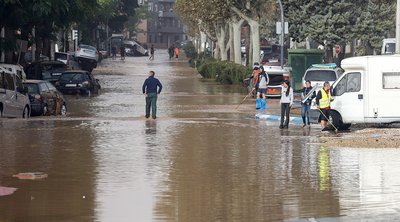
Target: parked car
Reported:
point(276, 77)
point(46, 70)
point(16, 69)
point(13, 99)
point(78, 82)
point(45, 99)
point(320, 73)
point(133, 48)
point(87, 56)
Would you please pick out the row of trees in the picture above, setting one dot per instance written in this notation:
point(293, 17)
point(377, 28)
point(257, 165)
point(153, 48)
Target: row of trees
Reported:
point(327, 22)
point(39, 21)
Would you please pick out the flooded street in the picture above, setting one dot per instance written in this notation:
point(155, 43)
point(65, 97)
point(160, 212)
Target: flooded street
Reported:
point(201, 160)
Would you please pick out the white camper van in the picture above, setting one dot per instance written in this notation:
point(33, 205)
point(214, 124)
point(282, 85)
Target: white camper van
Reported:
point(367, 92)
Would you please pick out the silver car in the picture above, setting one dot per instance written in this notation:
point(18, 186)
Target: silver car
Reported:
point(87, 56)
point(13, 99)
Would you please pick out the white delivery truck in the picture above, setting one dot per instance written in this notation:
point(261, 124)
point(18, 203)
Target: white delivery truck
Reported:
point(368, 91)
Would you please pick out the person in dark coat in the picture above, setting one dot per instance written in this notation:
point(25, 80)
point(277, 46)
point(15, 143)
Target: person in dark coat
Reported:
point(306, 105)
point(151, 88)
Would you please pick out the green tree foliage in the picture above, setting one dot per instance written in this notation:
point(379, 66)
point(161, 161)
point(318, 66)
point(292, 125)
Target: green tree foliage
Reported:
point(331, 22)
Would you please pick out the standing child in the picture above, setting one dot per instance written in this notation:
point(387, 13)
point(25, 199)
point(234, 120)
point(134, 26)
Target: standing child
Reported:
point(262, 85)
point(286, 104)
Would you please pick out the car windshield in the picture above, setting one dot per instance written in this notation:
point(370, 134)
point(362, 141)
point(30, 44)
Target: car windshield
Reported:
point(71, 77)
point(390, 47)
point(320, 75)
point(32, 88)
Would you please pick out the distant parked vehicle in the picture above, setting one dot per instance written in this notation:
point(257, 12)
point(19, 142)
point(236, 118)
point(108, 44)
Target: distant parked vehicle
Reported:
point(388, 46)
point(46, 70)
point(45, 99)
point(16, 69)
point(87, 56)
point(13, 99)
point(132, 48)
point(78, 82)
point(320, 73)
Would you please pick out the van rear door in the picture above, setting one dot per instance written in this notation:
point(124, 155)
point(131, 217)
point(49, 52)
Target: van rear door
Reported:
point(349, 97)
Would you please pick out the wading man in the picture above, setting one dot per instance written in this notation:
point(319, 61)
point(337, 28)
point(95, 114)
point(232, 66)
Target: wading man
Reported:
point(151, 88)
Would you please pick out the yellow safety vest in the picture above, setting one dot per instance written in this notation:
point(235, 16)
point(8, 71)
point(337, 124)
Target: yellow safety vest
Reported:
point(325, 101)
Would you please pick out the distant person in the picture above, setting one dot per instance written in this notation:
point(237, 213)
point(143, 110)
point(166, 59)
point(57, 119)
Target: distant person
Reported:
point(286, 104)
point(254, 78)
point(151, 53)
point(114, 52)
point(151, 88)
point(177, 50)
point(306, 105)
point(122, 52)
point(262, 85)
point(324, 104)
point(171, 52)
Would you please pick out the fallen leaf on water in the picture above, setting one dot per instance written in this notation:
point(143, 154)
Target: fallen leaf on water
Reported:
point(31, 176)
point(4, 191)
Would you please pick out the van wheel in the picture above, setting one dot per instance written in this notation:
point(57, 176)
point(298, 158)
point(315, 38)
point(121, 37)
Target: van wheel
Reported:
point(26, 113)
point(336, 119)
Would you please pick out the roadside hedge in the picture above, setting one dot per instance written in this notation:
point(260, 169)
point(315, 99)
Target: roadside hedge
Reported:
point(223, 71)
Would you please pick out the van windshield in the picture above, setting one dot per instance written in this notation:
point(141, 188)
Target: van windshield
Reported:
point(320, 75)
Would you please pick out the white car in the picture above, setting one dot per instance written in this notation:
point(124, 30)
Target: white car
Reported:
point(13, 99)
point(320, 73)
point(87, 56)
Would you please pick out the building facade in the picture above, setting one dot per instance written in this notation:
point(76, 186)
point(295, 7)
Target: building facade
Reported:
point(163, 26)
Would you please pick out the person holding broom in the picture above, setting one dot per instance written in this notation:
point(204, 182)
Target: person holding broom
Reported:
point(323, 101)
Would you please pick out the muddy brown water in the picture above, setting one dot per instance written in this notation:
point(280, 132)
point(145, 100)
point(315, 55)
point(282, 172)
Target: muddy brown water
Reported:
point(201, 160)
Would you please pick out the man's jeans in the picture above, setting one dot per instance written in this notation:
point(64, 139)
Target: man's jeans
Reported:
point(305, 113)
point(151, 102)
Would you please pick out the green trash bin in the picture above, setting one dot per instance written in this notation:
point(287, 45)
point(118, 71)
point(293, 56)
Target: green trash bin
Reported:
point(300, 60)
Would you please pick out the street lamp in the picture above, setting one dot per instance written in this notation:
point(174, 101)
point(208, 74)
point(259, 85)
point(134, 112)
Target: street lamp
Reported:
point(283, 31)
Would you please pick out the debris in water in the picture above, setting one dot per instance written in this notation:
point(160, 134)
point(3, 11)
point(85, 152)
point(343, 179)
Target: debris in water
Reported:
point(31, 176)
point(4, 191)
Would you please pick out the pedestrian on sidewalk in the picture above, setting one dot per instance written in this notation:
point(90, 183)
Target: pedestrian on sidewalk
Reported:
point(171, 52)
point(114, 52)
point(324, 104)
point(151, 53)
point(306, 105)
point(177, 51)
point(122, 52)
point(286, 104)
point(262, 85)
point(253, 80)
point(151, 88)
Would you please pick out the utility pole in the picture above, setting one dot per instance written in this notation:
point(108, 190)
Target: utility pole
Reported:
point(283, 31)
point(398, 27)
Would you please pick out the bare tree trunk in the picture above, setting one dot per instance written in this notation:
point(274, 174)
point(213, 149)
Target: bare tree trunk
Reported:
point(216, 51)
point(255, 39)
point(221, 35)
point(237, 41)
point(231, 45)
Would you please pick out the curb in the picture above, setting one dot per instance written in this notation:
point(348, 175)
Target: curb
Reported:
point(261, 116)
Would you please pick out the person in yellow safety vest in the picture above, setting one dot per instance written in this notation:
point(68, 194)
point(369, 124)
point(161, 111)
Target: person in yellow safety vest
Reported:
point(324, 104)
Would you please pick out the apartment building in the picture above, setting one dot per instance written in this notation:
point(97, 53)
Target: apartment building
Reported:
point(163, 27)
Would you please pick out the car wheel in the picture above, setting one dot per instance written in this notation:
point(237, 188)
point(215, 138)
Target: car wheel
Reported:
point(63, 110)
point(25, 113)
point(45, 110)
